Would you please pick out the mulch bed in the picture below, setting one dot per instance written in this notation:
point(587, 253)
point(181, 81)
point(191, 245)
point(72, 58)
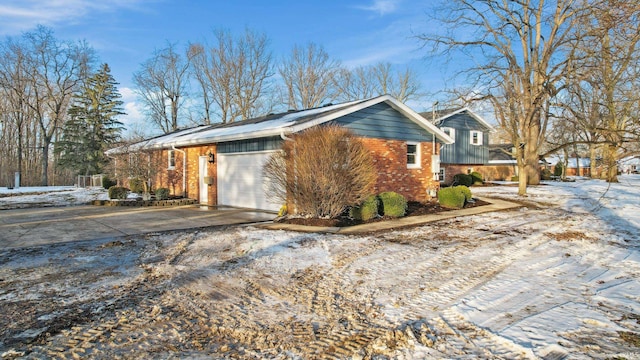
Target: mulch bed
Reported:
point(414, 208)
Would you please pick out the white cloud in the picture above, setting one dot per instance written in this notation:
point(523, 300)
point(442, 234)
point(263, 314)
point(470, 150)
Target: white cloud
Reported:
point(21, 15)
point(382, 7)
point(135, 112)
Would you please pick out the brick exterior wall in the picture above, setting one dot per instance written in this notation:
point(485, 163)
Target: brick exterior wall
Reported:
point(489, 172)
point(498, 172)
point(172, 179)
point(390, 159)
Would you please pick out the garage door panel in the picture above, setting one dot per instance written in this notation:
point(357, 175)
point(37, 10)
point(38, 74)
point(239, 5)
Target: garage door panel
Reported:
point(241, 181)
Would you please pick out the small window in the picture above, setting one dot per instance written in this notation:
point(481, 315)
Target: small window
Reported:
point(441, 175)
point(476, 137)
point(171, 159)
point(449, 131)
point(413, 155)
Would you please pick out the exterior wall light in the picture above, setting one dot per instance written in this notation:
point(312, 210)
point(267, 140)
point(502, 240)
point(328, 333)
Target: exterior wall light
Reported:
point(212, 157)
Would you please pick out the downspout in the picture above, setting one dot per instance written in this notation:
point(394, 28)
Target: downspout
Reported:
point(285, 137)
point(433, 142)
point(184, 169)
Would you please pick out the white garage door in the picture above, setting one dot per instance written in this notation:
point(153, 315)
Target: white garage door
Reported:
point(240, 181)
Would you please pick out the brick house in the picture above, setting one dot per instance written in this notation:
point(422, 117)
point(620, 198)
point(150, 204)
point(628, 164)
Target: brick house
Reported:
point(222, 164)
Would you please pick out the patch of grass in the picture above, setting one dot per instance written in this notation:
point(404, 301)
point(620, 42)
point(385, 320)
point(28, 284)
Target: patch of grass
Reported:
point(568, 235)
point(630, 337)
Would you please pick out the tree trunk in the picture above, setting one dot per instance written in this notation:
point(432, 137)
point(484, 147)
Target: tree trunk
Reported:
point(45, 163)
point(611, 164)
point(592, 160)
point(522, 180)
point(532, 166)
point(565, 163)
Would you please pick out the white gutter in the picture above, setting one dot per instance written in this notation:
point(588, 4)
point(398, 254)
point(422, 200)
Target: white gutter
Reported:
point(285, 137)
point(184, 169)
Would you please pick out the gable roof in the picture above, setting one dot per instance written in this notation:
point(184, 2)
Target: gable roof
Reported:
point(275, 125)
point(501, 154)
point(443, 114)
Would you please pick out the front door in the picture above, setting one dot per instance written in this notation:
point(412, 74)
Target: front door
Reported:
point(204, 188)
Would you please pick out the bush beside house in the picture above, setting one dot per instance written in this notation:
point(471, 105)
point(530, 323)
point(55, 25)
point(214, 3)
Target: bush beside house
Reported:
point(162, 193)
point(454, 197)
point(118, 192)
point(323, 171)
point(463, 179)
point(393, 204)
point(367, 210)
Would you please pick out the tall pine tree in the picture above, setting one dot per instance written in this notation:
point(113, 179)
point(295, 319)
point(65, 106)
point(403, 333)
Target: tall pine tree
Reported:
point(92, 126)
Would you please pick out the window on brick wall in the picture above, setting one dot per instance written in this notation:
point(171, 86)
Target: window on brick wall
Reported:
point(413, 155)
point(441, 175)
point(171, 156)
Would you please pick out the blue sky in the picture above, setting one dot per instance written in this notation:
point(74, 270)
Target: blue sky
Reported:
point(126, 32)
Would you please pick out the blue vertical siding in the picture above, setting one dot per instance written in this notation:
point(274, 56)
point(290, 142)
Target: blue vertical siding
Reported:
point(383, 122)
point(462, 151)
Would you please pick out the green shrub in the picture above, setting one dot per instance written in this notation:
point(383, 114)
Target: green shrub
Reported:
point(107, 182)
point(367, 210)
point(557, 170)
point(451, 197)
point(393, 204)
point(545, 174)
point(515, 178)
point(136, 185)
point(118, 192)
point(462, 179)
point(465, 191)
point(477, 178)
point(162, 193)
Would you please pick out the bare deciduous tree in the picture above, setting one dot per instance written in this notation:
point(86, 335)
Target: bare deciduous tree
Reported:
point(161, 83)
point(600, 104)
point(379, 79)
point(610, 54)
point(309, 75)
point(358, 83)
point(38, 77)
point(518, 60)
point(234, 75)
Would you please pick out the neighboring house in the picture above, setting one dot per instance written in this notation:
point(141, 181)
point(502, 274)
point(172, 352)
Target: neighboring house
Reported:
point(575, 166)
point(470, 150)
point(502, 163)
point(630, 165)
point(222, 164)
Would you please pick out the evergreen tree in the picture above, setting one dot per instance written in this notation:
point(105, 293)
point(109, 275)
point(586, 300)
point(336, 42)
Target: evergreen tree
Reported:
point(92, 126)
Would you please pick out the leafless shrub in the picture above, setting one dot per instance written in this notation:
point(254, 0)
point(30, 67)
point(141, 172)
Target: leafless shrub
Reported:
point(321, 172)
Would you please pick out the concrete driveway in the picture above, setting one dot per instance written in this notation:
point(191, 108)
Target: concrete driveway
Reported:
point(39, 226)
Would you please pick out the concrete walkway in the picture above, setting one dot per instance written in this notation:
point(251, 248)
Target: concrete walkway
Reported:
point(496, 205)
point(39, 226)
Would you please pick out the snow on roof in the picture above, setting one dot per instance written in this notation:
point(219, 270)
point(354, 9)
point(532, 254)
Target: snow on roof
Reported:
point(447, 113)
point(270, 126)
point(571, 163)
point(273, 125)
point(631, 160)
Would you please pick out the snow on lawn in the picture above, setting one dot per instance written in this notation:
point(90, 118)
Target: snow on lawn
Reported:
point(555, 279)
point(44, 196)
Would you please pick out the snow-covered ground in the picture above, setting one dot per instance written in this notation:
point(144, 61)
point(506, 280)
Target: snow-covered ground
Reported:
point(555, 279)
point(45, 196)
